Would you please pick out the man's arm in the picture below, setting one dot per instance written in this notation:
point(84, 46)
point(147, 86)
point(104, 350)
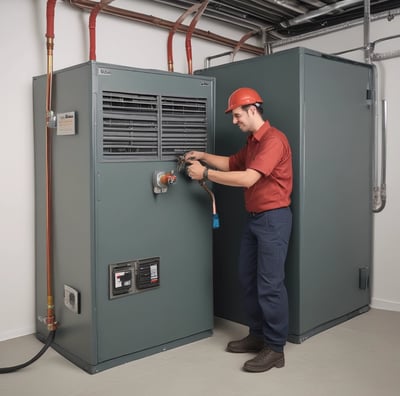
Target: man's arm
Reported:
point(214, 161)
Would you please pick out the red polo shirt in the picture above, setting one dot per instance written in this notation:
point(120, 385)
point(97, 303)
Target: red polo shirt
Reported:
point(267, 151)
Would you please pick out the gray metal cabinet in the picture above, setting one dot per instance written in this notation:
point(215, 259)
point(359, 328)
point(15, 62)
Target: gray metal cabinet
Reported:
point(142, 282)
point(323, 104)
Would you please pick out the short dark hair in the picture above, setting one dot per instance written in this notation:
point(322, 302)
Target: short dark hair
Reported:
point(258, 106)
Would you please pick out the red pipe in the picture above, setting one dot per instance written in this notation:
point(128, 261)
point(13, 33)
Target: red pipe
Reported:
point(242, 41)
point(50, 320)
point(164, 24)
point(190, 33)
point(178, 23)
point(92, 27)
point(51, 5)
point(92, 31)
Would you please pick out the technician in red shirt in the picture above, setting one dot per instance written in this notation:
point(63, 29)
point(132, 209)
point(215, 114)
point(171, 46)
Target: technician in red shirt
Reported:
point(263, 167)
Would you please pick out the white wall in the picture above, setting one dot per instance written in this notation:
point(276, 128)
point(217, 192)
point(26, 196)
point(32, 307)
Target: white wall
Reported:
point(23, 46)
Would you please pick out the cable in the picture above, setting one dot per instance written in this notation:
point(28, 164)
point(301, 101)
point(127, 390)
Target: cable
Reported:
point(12, 369)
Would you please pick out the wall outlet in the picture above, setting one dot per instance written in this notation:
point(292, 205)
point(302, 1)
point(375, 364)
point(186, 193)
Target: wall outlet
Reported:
point(72, 299)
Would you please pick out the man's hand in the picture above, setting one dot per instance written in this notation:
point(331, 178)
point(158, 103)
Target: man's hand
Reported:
point(194, 155)
point(195, 170)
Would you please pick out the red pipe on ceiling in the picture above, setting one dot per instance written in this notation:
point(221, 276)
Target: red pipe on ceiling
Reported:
point(162, 23)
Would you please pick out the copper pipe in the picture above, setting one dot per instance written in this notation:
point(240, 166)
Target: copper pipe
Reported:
point(162, 23)
point(178, 22)
point(243, 40)
point(189, 35)
point(212, 196)
point(92, 26)
point(50, 320)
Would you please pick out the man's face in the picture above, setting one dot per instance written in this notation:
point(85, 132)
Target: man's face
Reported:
point(242, 118)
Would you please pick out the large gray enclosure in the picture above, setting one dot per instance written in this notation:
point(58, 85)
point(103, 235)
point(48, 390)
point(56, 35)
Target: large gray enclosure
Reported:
point(129, 278)
point(323, 104)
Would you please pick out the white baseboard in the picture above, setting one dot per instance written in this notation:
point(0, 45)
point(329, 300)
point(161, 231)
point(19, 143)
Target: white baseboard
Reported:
point(7, 335)
point(387, 305)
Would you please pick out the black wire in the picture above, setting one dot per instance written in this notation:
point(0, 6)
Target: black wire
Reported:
point(49, 340)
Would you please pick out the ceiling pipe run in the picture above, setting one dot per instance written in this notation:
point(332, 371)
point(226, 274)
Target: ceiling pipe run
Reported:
point(234, 18)
point(92, 27)
point(178, 22)
point(290, 5)
point(316, 13)
point(335, 28)
point(88, 5)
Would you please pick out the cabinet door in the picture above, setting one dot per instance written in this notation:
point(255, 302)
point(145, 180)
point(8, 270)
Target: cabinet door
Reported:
point(336, 217)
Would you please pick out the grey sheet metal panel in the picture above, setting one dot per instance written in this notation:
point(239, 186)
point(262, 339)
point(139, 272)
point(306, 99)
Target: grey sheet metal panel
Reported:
point(320, 103)
point(336, 212)
point(105, 213)
point(73, 220)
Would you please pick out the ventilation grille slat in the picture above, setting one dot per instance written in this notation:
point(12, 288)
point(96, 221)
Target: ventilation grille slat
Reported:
point(150, 127)
point(184, 125)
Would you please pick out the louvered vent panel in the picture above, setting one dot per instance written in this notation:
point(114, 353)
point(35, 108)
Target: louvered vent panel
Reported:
point(151, 127)
point(130, 126)
point(184, 125)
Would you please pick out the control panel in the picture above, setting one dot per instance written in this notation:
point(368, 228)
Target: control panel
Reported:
point(133, 276)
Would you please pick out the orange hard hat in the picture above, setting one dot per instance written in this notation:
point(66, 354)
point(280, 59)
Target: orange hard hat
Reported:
point(242, 97)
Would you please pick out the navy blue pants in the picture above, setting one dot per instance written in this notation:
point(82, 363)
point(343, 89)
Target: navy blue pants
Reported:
point(263, 251)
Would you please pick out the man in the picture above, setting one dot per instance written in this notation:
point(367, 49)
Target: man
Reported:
point(263, 167)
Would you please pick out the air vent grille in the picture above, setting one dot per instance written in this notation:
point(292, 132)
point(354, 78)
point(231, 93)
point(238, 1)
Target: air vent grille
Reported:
point(184, 125)
point(144, 127)
point(130, 125)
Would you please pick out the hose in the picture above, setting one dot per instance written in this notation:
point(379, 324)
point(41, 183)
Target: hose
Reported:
point(214, 206)
point(182, 167)
point(49, 340)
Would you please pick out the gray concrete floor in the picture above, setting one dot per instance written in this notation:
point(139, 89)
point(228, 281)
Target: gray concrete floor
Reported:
point(360, 357)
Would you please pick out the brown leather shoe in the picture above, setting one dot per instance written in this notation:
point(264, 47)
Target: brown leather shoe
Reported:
point(251, 343)
point(265, 360)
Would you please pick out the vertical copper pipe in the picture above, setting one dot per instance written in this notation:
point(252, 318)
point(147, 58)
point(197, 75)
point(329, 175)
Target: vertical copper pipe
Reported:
point(178, 23)
point(190, 33)
point(243, 40)
point(51, 320)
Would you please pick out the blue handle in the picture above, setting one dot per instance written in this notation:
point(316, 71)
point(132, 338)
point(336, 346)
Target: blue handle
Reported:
point(215, 221)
